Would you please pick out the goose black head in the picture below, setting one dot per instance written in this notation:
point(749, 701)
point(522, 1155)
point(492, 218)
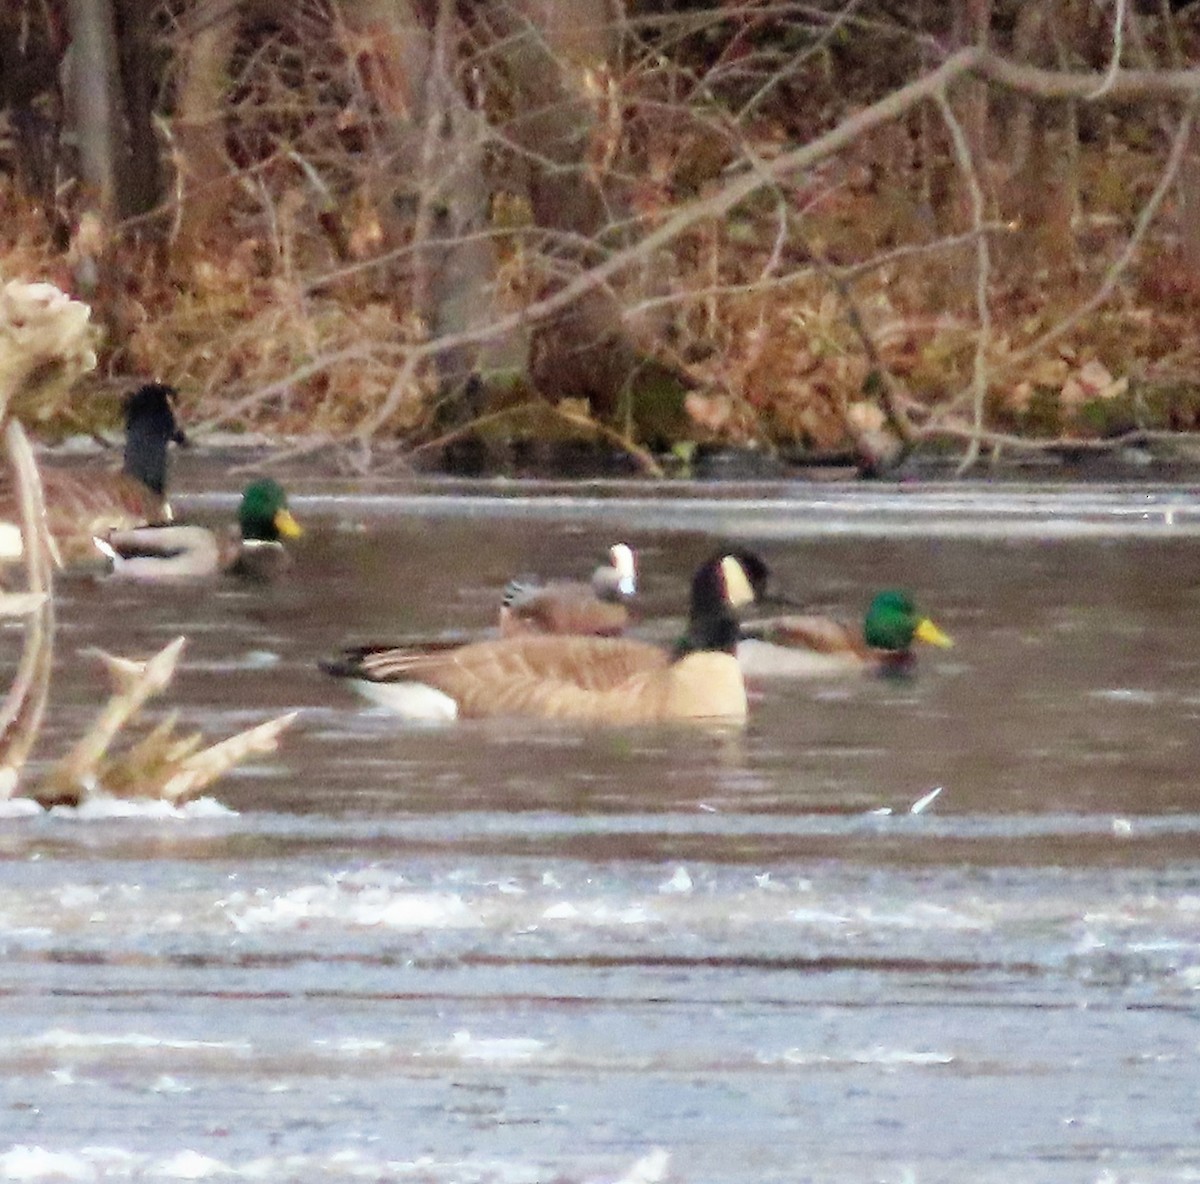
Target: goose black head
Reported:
point(150, 426)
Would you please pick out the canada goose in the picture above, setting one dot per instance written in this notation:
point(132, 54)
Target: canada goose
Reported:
point(572, 606)
point(591, 679)
point(81, 505)
point(253, 550)
point(796, 646)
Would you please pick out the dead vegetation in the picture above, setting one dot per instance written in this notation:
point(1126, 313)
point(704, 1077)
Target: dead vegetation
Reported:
point(799, 227)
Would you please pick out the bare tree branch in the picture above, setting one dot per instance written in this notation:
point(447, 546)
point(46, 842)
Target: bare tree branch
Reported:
point(979, 372)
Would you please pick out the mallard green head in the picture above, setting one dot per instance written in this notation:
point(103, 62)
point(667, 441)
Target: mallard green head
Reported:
point(893, 623)
point(264, 515)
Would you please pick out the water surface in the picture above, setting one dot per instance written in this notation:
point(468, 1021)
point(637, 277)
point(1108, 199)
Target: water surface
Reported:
point(510, 952)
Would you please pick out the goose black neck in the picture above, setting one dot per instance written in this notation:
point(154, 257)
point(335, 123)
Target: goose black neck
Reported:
point(712, 633)
point(712, 624)
point(149, 427)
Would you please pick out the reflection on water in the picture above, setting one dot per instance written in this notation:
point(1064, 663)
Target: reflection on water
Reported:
point(510, 952)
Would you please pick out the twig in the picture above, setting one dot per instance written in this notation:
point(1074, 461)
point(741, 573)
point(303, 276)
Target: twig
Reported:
point(979, 376)
point(647, 462)
point(1114, 62)
point(716, 205)
point(1141, 226)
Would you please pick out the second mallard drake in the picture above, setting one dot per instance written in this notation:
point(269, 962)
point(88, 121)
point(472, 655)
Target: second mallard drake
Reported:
point(571, 606)
point(808, 646)
point(254, 549)
point(585, 679)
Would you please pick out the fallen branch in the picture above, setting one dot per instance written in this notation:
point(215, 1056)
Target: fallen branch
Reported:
point(1130, 439)
point(199, 770)
point(75, 776)
point(25, 702)
point(583, 422)
point(163, 764)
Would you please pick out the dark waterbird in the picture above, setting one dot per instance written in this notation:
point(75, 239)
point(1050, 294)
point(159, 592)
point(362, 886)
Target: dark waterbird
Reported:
point(81, 505)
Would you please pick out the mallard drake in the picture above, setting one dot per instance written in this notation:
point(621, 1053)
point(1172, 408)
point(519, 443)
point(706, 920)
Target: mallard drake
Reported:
point(589, 679)
point(253, 549)
point(81, 505)
point(573, 606)
point(813, 646)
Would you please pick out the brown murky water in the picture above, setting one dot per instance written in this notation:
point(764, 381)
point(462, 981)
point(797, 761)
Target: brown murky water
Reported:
point(528, 953)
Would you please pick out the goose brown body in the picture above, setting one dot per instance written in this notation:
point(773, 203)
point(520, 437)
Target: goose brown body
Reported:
point(584, 679)
point(589, 679)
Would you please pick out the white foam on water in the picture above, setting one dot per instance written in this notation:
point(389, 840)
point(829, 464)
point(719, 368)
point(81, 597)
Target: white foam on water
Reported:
point(600, 914)
point(166, 1084)
point(249, 660)
point(884, 1057)
point(650, 1169)
point(339, 901)
point(36, 1163)
point(20, 808)
point(101, 807)
point(190, 1165)
point(819, 917)
point(680, 881)
point(104, 807)
point(354, 1046)
point(1137, 696)
point(96, 1163)
point(78, 896)
point(66, 1040)
point(919, 916)
point(501, 1049)
point(685, 901)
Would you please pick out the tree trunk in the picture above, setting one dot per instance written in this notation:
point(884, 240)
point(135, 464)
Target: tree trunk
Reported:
point(29, 90)
point(431, 184)
point(199, 126)
point(549, 47)
point(143, 188)
point(95, 103)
